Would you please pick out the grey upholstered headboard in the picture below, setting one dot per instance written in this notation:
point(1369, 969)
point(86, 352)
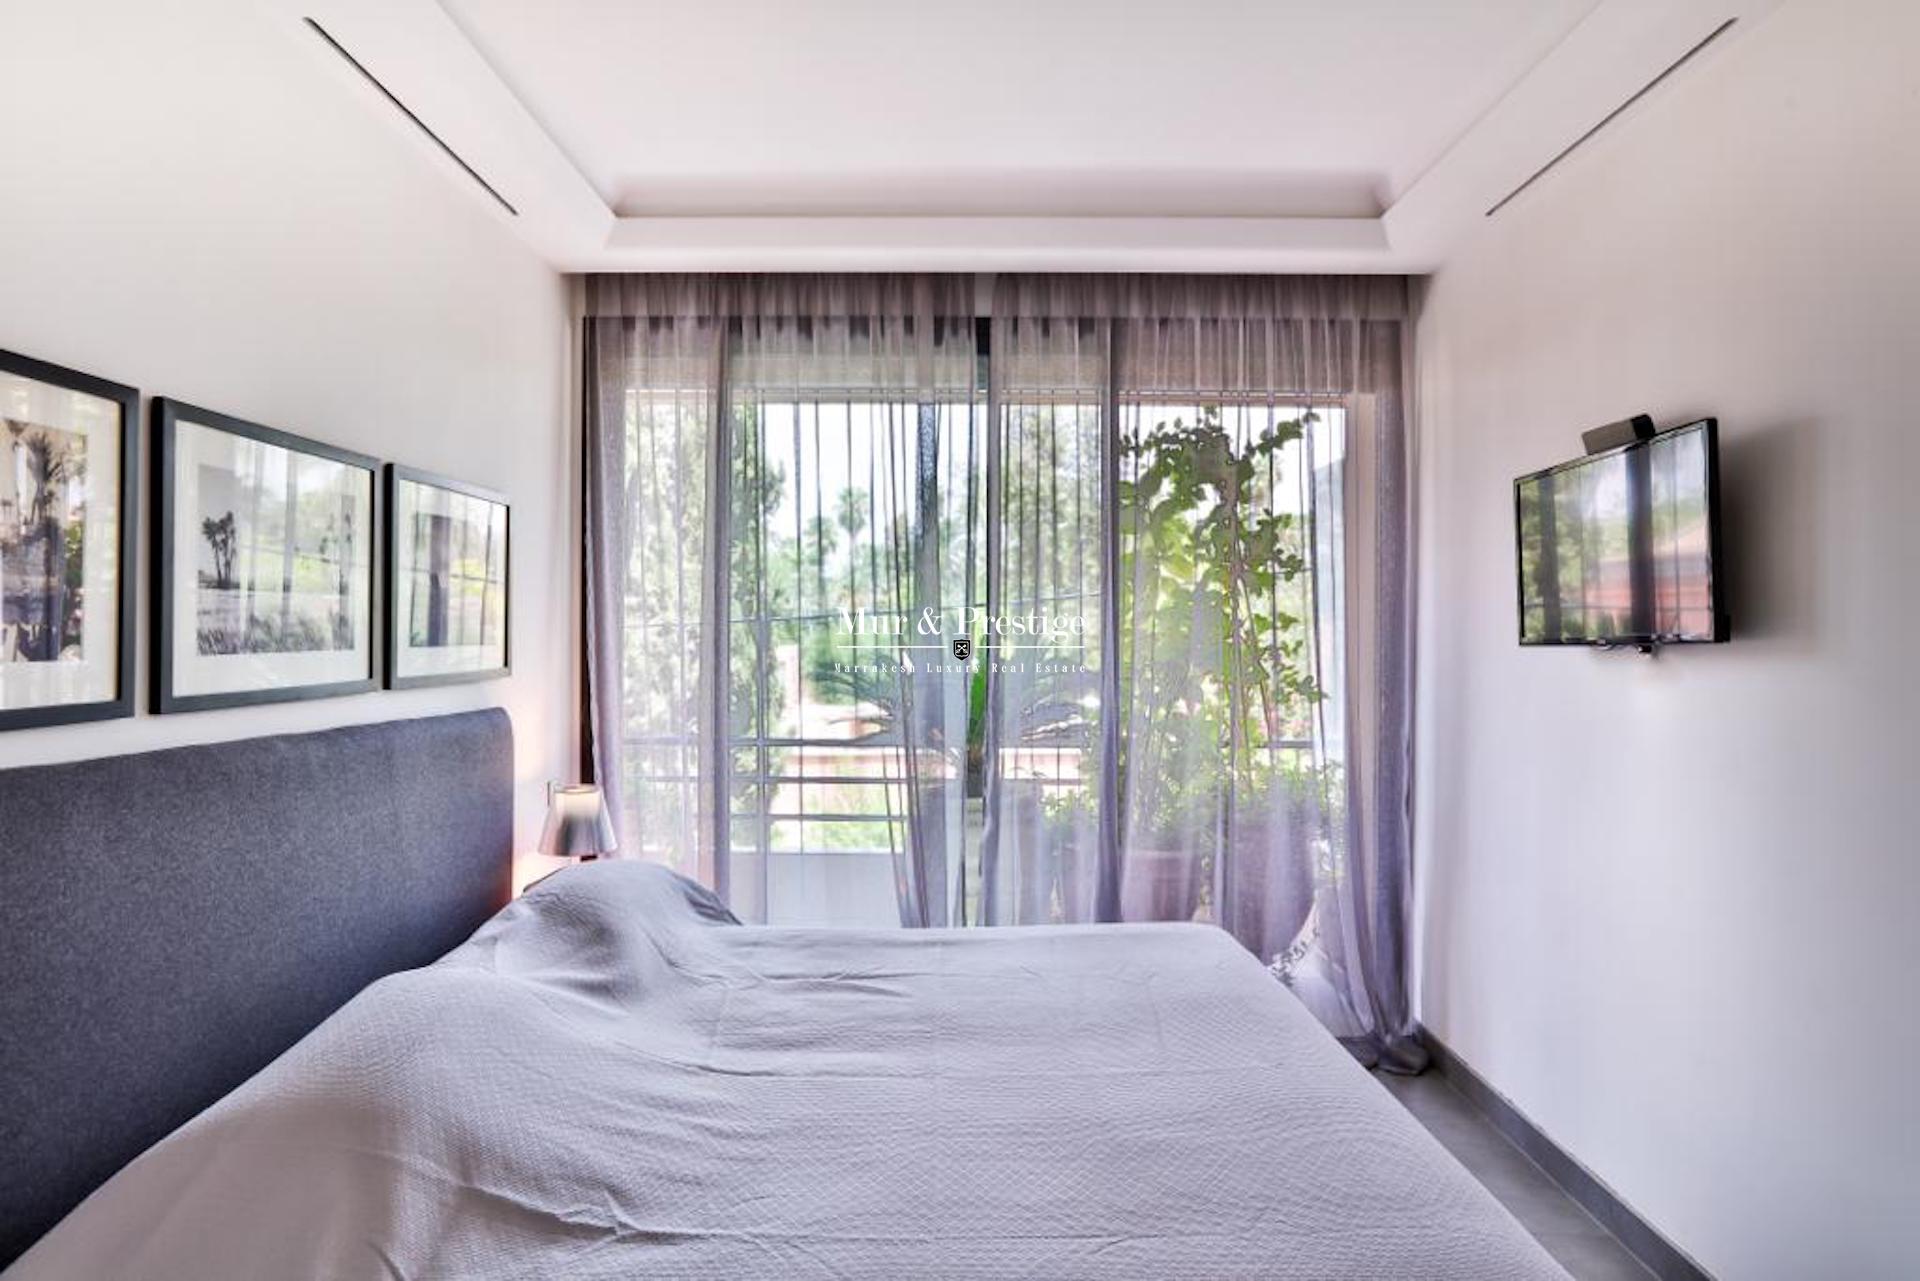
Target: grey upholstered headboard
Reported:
point(171, 922)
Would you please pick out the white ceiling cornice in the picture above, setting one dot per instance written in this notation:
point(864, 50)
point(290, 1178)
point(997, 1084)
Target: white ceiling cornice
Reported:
point(422, 56)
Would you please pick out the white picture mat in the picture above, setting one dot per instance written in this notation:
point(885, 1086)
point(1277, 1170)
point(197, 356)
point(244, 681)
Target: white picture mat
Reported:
point(413, 498)
point(95, 677)
point(194, 673)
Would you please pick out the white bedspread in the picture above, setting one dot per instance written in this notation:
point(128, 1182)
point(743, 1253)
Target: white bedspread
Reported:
point(610, 1079)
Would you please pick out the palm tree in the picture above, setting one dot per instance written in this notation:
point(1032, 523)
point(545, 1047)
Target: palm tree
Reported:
point(822, 541)
point(850, 510)
point(850, 513)
point(219, 536)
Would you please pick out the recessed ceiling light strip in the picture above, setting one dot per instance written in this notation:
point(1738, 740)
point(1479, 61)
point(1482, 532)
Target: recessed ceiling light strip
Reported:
point(405, 111)
point(1609, 118)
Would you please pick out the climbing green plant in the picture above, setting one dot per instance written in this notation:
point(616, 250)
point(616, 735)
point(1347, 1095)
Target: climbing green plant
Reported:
point(1214, 642)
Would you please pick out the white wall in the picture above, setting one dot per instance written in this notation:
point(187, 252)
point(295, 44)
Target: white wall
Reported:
point(200, 201)
point(1667, 906)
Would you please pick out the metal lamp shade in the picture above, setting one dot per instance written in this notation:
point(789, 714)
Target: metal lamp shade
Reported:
point(578, 825)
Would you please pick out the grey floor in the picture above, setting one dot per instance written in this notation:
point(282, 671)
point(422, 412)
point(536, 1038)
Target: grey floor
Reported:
point(1569, 1233)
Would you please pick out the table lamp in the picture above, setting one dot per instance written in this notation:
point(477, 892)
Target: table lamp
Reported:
point(578, 825)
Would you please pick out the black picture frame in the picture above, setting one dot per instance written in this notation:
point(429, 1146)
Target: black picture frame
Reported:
point(395, 473)
point(167, 415)
point(126, 544)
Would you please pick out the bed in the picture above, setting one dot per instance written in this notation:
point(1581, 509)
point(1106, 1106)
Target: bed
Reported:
point(613, 1078)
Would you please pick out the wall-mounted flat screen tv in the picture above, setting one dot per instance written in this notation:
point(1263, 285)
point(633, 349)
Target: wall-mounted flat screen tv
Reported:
point(1623, 547)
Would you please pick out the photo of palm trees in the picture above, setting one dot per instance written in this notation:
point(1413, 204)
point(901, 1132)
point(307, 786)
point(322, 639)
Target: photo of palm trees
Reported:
point(43, 525)
point(66, 598)
point(276, 555)
point(266, 563)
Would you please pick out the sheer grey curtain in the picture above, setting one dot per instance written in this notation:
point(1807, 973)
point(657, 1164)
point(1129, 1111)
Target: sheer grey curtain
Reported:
point(776, 470)
point(656, 480)
point(1176, 526)
point(1213, 473)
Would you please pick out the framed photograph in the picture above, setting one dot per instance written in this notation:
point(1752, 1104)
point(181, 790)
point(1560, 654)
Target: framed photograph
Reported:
point(69, 452)
point(447, 581)
point(265, 573)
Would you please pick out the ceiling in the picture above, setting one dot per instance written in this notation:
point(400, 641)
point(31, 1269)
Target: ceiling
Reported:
point(1282, 107)
point(995, 134)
